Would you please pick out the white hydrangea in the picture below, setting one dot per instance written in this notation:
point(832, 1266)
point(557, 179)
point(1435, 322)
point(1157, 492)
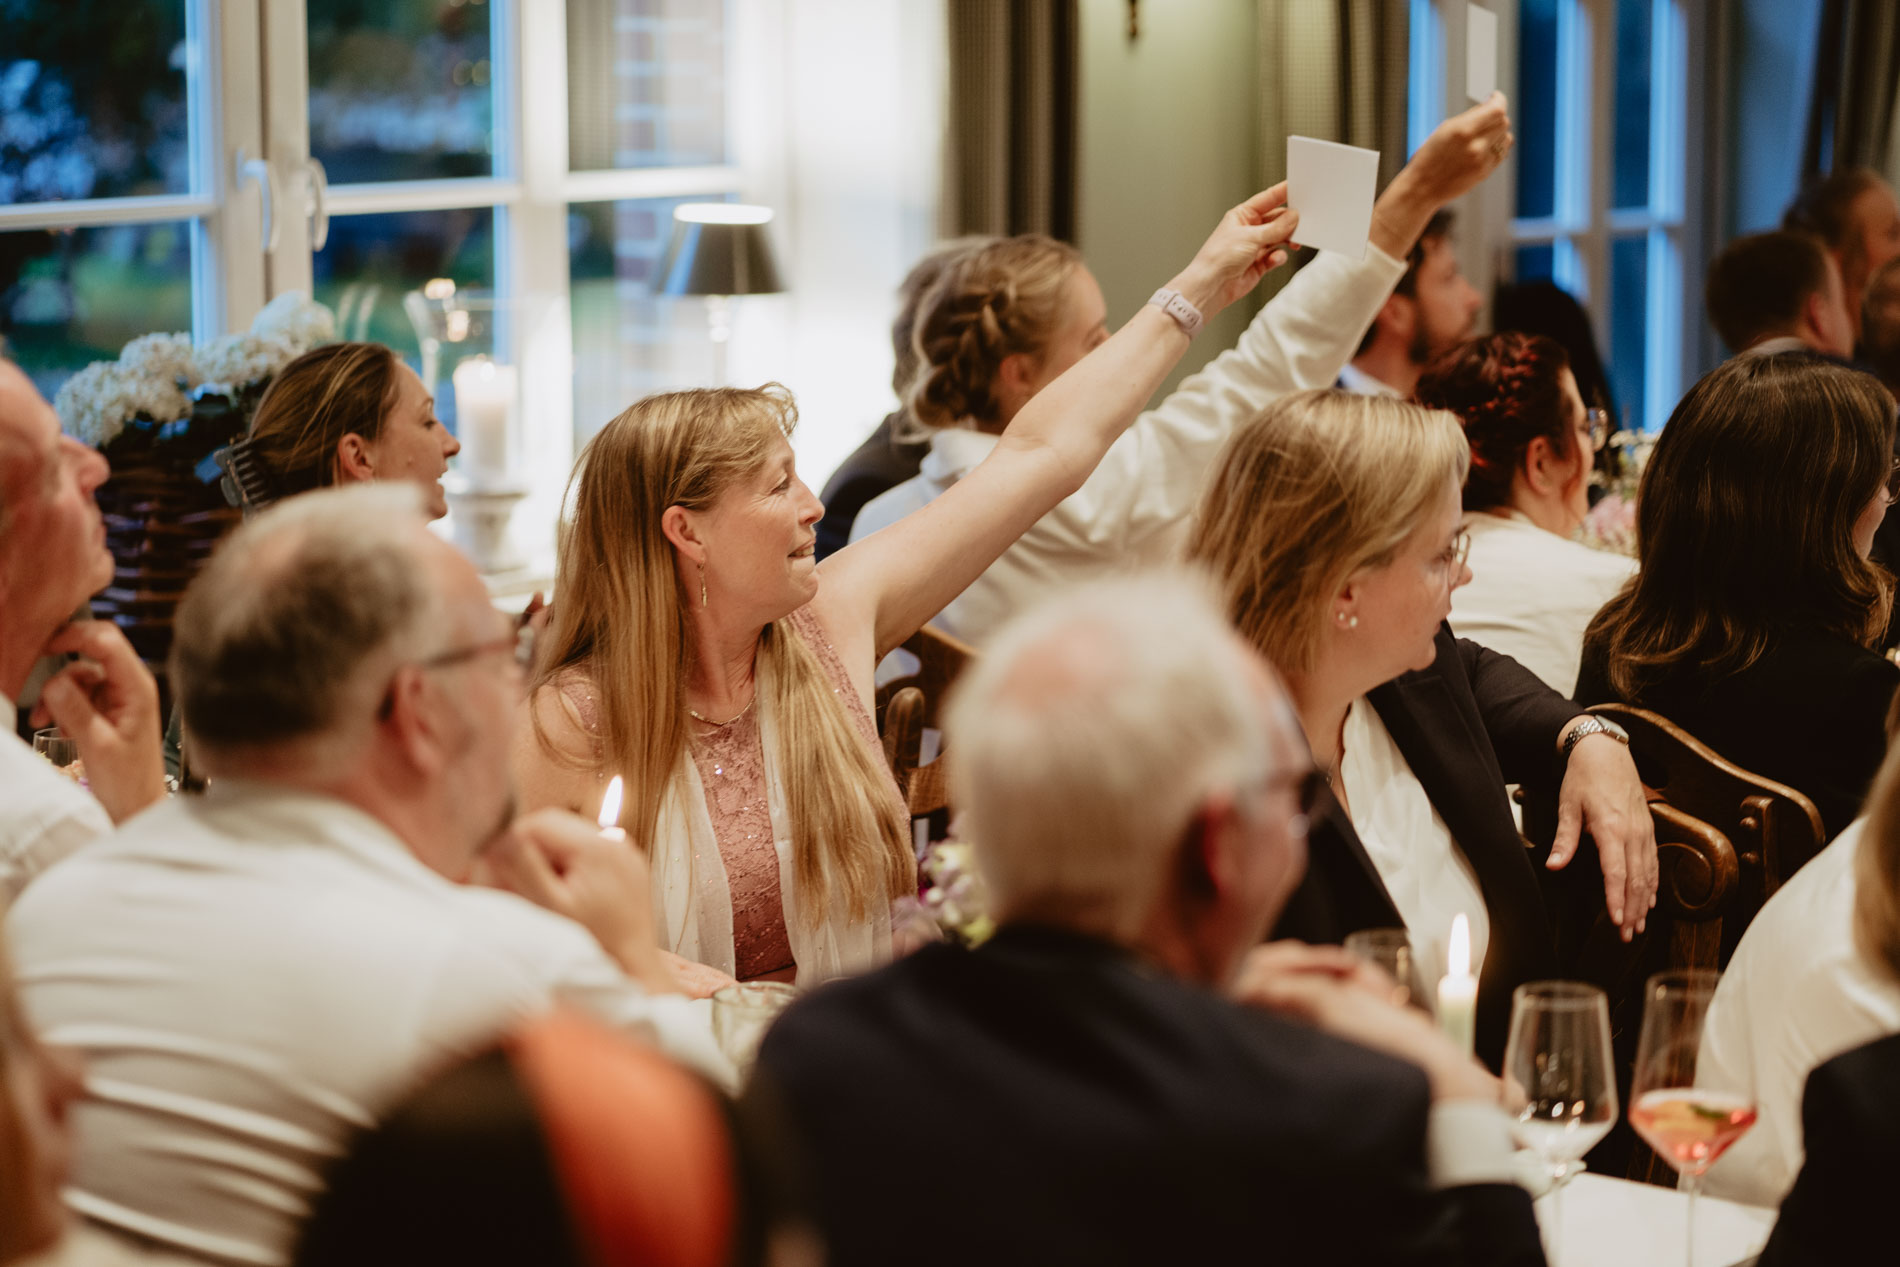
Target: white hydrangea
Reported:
point(162, 356)
point(234, 361)
point(96, 403)
point(293, 318)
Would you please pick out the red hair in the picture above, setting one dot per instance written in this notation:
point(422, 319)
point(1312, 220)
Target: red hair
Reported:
point(1507, 390)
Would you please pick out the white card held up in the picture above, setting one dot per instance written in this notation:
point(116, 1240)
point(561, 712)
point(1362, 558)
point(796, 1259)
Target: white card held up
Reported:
point(1331, 186)
point(1481, 52)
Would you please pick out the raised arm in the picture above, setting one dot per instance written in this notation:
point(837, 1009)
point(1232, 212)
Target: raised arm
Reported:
point(897, 579)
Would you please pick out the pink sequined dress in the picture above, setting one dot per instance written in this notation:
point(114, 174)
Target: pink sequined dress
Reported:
point(731, 764)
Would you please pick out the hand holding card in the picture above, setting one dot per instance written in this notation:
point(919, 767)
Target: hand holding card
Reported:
point(1332, 187)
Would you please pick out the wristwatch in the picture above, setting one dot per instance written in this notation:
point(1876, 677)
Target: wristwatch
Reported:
point(1594, 726)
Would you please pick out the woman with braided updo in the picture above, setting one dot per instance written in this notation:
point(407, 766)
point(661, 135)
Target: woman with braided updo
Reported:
point(1008, 318)
point(1533, 588)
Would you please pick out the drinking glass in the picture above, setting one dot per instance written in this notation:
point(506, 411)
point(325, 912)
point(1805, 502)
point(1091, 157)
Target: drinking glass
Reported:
point(1559, 1077)
point(742, 1013)
point(1390, 949)
point(56, 747)
point(1688, 1126)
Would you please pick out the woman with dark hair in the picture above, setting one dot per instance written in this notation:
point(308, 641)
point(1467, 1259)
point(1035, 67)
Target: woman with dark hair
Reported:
point(339, 414)
point(1752, 621)
point(1533, 589)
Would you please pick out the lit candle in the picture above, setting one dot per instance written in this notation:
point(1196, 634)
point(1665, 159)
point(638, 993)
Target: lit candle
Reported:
point(1458, 992)
point(484, 399)
point(610, 812)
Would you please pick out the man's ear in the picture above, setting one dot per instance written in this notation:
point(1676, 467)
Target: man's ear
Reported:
point(355, 463)
point(682, 529)
point(1398, 317)
point(1205, 860)
point(412, 717)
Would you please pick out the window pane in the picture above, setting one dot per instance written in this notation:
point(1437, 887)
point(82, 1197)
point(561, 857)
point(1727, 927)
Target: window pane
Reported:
point(371, 262)
point(1536, 263)
point(71, 297)
point(1536, 109)
point(1631, 183)
point(401, 89)
point(646, 83)
point(1629, 320)
point(629, 342)
point(92, 99)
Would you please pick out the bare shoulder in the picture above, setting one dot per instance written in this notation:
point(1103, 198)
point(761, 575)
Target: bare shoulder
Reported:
point(557, 754)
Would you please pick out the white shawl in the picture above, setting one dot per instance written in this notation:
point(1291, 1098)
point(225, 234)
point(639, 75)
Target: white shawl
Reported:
point(692, 902)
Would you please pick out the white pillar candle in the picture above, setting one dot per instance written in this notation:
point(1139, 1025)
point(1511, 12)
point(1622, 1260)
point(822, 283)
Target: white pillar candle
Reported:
point(1458, 991)
point(484, 400)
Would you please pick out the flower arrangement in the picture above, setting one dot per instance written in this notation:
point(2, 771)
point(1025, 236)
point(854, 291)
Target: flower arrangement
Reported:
point(160, 382)
point(1611, 523)
point(954, 905)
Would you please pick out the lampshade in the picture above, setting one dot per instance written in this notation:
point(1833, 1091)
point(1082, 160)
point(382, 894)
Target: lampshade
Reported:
point(719, 248)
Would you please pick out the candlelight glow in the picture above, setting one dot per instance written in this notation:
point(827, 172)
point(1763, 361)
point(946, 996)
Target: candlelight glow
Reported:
point(610, 810)
point(1458, 959)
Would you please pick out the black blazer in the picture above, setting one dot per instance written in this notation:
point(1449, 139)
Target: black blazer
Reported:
point(1472, 722)
point(1810, 713)
point(881, 463)
point(1840, 1208)
point(1052, 1099)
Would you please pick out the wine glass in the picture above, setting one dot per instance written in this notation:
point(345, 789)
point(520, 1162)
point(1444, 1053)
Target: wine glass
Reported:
point(1559, 1077)
point(1688, 1126)
point(742, 1013)
point(1390, 949)
point(56, 747)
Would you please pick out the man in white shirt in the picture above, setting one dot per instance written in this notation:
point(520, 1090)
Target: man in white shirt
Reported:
point(1779, 292)
point(257, 973)
point(52, 558)
point(1431, 309)
point(1796, 994)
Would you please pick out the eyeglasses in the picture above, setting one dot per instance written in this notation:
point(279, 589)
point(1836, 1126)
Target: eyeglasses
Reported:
point(1598, 422)
point(519, 646)
point(1893, 482)
point(1452, 557)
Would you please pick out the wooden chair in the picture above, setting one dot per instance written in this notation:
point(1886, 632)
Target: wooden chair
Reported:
point(903, 734)
point(940, 658)
point(1726, 839)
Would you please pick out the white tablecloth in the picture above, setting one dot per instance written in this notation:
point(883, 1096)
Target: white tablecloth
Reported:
point(1616, 1223)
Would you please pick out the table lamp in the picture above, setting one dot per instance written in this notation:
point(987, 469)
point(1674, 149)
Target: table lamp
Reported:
point(718, 250)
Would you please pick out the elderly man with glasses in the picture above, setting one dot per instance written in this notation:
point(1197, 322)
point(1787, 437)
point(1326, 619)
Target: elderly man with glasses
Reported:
point(1096, 1084)
point(257, 973)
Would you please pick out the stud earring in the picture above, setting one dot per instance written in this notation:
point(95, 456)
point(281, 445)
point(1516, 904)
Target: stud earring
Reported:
point(1348, 622)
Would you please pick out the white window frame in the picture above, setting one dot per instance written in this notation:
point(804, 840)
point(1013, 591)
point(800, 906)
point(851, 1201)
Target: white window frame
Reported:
point(1583, 225)
point(223, 106)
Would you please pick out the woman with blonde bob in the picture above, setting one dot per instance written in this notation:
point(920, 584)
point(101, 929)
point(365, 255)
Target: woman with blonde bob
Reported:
point(1333, 525)
point(701, 654)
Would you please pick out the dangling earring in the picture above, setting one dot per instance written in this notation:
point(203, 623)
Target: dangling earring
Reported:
point(702, 585)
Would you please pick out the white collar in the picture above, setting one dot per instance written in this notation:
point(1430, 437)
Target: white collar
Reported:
point(1780, 343)
point(1360, 383)
point(955, 452)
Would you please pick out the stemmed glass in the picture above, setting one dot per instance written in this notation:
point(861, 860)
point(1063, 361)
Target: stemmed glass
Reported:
point(1390, 949)
point(1559, 1076)
point(56, 747)
point(1688, 1126)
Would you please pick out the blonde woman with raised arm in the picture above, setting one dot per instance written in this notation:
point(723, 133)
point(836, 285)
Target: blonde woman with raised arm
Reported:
point(1007, 318)
point(699, 652)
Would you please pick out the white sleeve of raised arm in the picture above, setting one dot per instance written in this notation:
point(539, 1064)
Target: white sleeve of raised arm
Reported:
point(1467, 1142)
point(1138, 499)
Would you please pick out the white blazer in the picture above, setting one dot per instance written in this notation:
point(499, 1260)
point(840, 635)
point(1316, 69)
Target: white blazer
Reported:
point(1134, 509)
point(1533, 593)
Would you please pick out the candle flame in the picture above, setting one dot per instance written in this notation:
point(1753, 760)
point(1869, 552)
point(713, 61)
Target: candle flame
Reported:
point(610, 807)
point(1458, 959)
